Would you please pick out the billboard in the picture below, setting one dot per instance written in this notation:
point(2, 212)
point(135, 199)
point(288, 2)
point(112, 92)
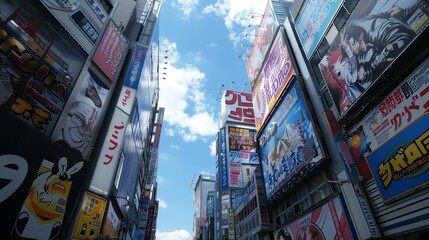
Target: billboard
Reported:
point(316, 16)
point(110, 52)
point(275, 76)
point(237, 107)
point(40, 183)
point(242, 146)
point(376, 33)
point(111, 223)
point(90, 217)
point(223, 159)
point(326, 222)
point(136, 66)
point(401, 164)
point(235, 175)
point(79, 130)
point(39, 65)
point(261, 44)
point(288, 144)
point(401, 107)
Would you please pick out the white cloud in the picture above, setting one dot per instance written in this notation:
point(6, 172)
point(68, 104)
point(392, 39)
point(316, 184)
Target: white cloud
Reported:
point(186, 7)
point(160, 179)
point(213, 148)
point(175, 235)
point(186, 111)
point(162, 203)
point(175, 147)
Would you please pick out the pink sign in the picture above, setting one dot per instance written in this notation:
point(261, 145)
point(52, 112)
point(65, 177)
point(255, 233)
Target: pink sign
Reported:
point(110, 51)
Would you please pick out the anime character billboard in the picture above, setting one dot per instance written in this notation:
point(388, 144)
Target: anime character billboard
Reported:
point(288, 143)
point(376, 33)
point(41, 181)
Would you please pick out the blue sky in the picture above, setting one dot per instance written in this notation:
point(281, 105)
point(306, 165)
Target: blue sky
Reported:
point(204, 41)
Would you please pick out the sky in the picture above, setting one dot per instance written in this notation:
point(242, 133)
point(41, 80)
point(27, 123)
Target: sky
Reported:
point(206, 43)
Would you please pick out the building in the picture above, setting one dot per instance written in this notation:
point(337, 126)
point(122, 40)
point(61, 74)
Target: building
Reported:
point(203, 190)
point(340, 135)
point(74, 74)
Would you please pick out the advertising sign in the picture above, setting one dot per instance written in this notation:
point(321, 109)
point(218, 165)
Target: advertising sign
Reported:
point(108, 159)
point(316, 15)
point(90, 217)
point(111, 51)
point(242, 146)
point(235, 177)
point(126, 99)
point(275, 76)
point(288, 143)
point(223, 159)
point(261, 44)
point(111, 223)
point(376, 33)
point(40, 182)
point(401, 107)
point(326, 222)
point(79, 130)
point(136, 66)
point(402, 163)
point(237, 107)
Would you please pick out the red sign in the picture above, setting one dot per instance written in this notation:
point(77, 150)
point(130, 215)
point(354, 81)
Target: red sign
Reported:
point(238, 107)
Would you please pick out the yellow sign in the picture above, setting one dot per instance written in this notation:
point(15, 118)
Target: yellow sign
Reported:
point(90, 217)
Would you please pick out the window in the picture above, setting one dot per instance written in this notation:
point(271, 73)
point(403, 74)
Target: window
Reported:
point(341, 18)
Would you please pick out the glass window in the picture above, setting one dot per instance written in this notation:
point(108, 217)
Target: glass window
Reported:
point(8, 7)
point(341, 18)
point(350, 5)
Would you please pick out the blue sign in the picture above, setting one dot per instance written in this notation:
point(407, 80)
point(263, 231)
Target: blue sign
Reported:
point(223, 163)
point(402, 164)
point(136, 67)
point(313, 22)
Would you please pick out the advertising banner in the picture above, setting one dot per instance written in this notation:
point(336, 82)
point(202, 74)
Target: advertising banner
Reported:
point(276, 74)
point(401, 164)
point(111, 223)
point(235, 177)
point(401, 107)
point(111, 51)
point(80, 128)
point(126, 99)
point(326, 222)
point(242, 146)
point(108, 159)
point(288, 143)
point(223, 159)
point(40, 183)
point(136, 66)
point(376, 33)
point(237, 107)
point(316, 15)
point(90, 217)
point(261, 44)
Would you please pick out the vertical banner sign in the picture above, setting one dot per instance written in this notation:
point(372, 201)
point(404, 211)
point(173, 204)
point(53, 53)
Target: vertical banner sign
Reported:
point(276, 74)
point(313, 22)
point(111, 223)
point(402, 163)
point(235, 177)
point(261, 44)
point(401, 107)
point(288, 144)
point(223, 164)
point(376, 33)
point(90, 216)
point(237, 107)
point(111, 50)
point(242, 146)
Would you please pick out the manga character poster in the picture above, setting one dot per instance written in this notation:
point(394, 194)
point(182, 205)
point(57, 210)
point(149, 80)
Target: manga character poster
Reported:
point(79, 130)
point(376, 33)
point(41, 183)
point(242, 146)
point(39, 65)
point(326, 222)
point(401, 107)
point(288, 143)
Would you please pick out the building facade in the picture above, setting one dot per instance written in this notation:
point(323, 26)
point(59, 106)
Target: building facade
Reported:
point(70, 92)
point(203, 193)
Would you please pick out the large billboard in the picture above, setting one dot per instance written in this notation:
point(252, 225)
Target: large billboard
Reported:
point(237, 107)
point(316, 15)
point(401, 107)
point(401, 164)
point(275, 76)
point(288, 143)
point(40, 183)
point(326, 222)
point(111, 51)
point(39, 65)
point(376, 33)
point(261, 44)
point(242, 145)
